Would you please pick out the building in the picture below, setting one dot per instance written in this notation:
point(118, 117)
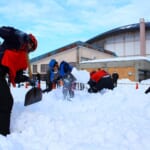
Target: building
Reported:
point(129, 40)
point(135, 68)
point(122, 42)
point(129, 43)
point(73, 53)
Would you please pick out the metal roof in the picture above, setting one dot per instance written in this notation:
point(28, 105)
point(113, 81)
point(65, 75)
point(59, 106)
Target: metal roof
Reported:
point(122, 29)
point(72, 45)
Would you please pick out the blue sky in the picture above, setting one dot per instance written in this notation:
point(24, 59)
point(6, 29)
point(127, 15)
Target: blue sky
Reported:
point(57, 23)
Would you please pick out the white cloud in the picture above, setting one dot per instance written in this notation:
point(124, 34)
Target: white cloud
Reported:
point(73, 19)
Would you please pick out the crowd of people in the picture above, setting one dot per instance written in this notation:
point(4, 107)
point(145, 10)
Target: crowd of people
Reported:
point(60, 75)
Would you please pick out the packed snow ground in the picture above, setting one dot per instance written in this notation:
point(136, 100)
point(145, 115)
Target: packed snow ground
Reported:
point(111, 120)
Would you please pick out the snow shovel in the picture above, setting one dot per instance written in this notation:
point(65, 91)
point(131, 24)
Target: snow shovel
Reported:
point(34, 95)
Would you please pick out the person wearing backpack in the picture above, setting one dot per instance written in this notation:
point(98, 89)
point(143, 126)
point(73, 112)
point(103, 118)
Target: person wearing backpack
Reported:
point(53, 76)
point(13, 60)
point(68, 80)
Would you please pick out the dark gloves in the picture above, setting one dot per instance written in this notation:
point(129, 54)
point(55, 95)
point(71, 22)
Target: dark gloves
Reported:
point(20, 77)
point(91, 83)
point(92, 90)
point(32, 82)
point(23, 78)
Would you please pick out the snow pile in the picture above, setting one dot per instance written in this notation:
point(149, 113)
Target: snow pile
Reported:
point(114, 120)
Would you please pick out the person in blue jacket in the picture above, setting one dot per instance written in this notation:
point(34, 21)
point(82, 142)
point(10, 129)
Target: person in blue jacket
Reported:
point(68, 79)
point(53, 76)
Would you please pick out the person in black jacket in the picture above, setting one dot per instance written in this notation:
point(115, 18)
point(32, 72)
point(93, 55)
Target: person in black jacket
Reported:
point(13, 60)
point(115, 77)
point(38, 80)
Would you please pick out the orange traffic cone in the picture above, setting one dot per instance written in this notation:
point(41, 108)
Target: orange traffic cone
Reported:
point(39, 85)
point(136, 86)
point(26, 85)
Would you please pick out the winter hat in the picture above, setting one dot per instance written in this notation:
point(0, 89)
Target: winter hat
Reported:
point(33, 42)
point(52, 63)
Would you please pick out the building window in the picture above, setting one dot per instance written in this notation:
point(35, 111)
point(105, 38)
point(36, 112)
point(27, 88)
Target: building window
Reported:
point(34, 68)
point(44, 67)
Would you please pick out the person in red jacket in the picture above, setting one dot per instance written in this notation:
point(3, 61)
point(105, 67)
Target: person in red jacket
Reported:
point(100, 80)
point(13, 60)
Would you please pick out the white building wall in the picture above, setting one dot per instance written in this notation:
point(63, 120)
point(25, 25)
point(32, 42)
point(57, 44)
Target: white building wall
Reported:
point(70, 55)
point(124, 44)
point(93, 54)
point(148, 43)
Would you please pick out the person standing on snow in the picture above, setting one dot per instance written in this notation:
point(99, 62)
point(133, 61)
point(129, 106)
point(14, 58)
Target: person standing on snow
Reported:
point(13, 60)
point(115, 77)
point(38, 80)
point(53, 76)
point(68, 80)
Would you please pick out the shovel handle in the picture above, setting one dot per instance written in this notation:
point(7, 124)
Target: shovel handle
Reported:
point(29, 67)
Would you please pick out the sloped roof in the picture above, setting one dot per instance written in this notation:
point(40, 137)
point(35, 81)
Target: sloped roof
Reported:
point(118, 59)
point(72, 45)
point(123, 29)
point(142, 63)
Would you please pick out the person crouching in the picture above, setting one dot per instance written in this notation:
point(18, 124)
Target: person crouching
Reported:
point(100, 80)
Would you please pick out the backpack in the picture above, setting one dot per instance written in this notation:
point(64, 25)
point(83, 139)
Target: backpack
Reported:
point(65, 68)
point(52, 63)
point(53, 75)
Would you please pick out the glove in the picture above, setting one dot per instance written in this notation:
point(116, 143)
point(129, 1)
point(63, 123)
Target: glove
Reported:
point(20, 77)
point(92, 90)
point(32, 82)
point(91, 83)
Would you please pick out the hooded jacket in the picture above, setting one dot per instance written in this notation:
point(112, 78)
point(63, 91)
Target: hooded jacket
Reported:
point(98, 75)
point(13, 51)
point(53, 75)
point(65, 68)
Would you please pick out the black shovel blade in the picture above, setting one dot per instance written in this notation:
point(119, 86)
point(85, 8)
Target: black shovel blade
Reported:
point(34, 95)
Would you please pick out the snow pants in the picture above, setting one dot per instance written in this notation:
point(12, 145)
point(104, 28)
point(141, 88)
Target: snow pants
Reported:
point(6, 104)
point(105, 83)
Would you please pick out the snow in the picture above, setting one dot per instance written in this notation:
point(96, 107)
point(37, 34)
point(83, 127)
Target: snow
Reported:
point(110, 120)
point(118, 59)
